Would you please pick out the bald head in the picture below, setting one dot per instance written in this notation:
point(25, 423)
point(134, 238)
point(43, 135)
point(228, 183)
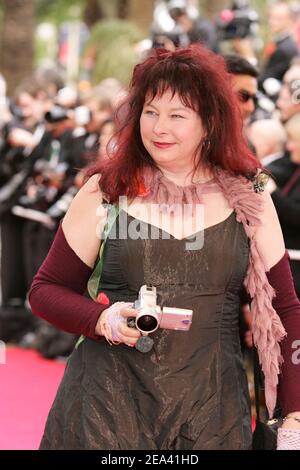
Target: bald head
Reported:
point(268, 137)
point(293, 73)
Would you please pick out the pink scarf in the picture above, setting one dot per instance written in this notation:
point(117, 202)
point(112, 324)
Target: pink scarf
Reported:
point(268, 330)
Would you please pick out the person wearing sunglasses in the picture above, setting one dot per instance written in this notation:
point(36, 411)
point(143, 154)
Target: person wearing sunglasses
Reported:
point(244, 83)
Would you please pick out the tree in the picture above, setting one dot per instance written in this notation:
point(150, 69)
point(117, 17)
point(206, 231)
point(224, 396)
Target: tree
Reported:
point(17, 37)
point(141, 13)
point(111, 50)
point(212, 7)
point(92, 12)
point(122, 9)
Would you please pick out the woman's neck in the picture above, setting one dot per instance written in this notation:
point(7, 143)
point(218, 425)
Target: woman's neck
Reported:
point(185, 177)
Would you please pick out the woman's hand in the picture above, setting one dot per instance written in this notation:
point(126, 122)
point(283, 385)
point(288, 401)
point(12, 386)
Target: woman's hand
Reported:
point(288, 439)
point(112, 324)
point(289, 434)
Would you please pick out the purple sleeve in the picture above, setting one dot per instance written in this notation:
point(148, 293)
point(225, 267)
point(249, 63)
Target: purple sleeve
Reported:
point(56, 293)
point(287, 305)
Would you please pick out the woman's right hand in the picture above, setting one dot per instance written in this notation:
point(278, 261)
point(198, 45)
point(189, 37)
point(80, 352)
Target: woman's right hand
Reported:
point(112, 324)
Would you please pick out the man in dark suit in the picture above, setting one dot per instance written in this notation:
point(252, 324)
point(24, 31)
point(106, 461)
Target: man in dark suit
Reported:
point(288, 105)
point(285, 193)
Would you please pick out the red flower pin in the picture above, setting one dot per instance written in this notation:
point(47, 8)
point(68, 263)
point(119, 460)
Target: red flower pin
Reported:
point(102, 299)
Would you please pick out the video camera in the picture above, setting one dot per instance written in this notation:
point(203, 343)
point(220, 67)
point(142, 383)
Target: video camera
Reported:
point(56, 114)
point(240, 21)
point(151, 316)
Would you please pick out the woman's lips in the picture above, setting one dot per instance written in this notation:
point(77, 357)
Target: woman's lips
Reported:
point(163, 145)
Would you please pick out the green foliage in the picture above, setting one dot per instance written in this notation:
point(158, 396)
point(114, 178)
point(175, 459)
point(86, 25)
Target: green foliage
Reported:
point(114, 42)
point(63, 10)
point(57, 11)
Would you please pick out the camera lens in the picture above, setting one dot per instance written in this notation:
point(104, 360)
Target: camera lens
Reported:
point(147, 323)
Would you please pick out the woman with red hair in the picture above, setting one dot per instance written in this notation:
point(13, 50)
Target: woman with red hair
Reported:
point(179, 205)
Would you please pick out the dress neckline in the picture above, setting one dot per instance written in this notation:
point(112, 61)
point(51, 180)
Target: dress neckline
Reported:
point(204, 230)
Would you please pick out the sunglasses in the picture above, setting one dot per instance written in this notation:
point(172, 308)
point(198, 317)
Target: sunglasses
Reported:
point(245, 96)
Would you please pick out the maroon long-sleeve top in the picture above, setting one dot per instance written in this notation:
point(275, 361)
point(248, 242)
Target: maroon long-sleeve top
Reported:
point(57, 291)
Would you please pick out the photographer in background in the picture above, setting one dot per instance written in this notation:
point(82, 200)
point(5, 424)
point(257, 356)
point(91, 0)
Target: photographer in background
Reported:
point(239, 26)
point(51, 177)
point(22, 135)
point(193, 30)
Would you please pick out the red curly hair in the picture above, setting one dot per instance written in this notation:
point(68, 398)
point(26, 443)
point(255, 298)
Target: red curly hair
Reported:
point(201, 80)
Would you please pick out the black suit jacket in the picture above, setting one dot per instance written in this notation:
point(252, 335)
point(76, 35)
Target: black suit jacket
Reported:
point(279, 61)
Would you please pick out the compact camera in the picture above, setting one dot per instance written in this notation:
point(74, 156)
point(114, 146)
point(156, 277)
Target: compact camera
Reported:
point(151, 316)
point(56, 114)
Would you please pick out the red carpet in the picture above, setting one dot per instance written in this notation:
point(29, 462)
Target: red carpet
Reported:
point(28, 385)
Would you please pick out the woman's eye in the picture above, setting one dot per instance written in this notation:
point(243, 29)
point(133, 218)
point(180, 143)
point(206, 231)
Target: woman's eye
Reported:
point(176, 116)
point(150, 113)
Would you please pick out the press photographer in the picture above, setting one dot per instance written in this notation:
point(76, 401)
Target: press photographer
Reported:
point(240, 21)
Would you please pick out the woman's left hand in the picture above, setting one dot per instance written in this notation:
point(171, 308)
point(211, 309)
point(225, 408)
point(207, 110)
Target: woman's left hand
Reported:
point(288, 439)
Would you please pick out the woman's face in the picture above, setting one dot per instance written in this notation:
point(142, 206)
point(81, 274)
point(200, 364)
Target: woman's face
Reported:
point(171, 132)
point(293, 145)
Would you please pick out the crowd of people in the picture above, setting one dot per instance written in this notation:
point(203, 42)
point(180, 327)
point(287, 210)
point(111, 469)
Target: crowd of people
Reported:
point(195, 126)
point(49, 137)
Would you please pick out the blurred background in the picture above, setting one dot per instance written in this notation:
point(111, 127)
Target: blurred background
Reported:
point(89, 40)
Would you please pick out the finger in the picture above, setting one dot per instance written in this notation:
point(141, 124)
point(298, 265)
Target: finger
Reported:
point(128, 312)
point(130, 332)
point(130, 341)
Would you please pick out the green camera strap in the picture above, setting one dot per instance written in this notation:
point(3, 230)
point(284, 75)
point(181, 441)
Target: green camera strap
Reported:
point(94, 280)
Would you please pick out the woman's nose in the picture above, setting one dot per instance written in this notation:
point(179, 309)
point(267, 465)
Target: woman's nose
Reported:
point(160, 125)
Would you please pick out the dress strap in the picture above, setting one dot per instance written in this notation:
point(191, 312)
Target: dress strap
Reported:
point(94, 280)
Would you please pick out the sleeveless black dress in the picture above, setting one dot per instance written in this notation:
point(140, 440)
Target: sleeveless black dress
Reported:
point(190, 391)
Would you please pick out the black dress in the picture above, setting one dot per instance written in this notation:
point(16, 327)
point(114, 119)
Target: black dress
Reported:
point(190, 391)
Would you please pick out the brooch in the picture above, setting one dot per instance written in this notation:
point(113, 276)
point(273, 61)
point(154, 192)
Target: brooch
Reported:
point(260, 182)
